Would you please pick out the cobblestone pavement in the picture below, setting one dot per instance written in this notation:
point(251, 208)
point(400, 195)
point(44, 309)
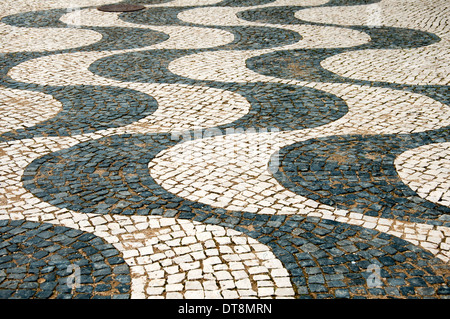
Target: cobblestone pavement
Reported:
point(225, 149)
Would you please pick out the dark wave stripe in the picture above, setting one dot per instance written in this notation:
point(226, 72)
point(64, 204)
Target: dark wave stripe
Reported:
point(286, 107)
point(104, 176)
point(37, 261)
point(329, 259)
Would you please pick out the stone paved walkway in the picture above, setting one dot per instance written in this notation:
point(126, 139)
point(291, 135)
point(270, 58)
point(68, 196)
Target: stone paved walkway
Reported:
point(225, 149)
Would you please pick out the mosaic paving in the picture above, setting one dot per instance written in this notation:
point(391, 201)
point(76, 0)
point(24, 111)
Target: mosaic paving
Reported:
point(225, 149)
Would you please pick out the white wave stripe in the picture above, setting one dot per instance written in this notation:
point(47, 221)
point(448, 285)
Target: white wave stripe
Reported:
point(180, 258)
point(374, 110)
point(192, 38)
point(317, 37)
point(344, 15)
point(184, 107)
point(18, 39)
point(20, 109)
point(426, 170)
point(221, 66)
point(61, 69)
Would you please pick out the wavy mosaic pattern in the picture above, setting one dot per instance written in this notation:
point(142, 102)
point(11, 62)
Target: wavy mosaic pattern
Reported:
point(225, 149)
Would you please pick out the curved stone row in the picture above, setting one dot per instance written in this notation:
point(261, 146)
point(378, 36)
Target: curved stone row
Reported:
point(336, 260)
